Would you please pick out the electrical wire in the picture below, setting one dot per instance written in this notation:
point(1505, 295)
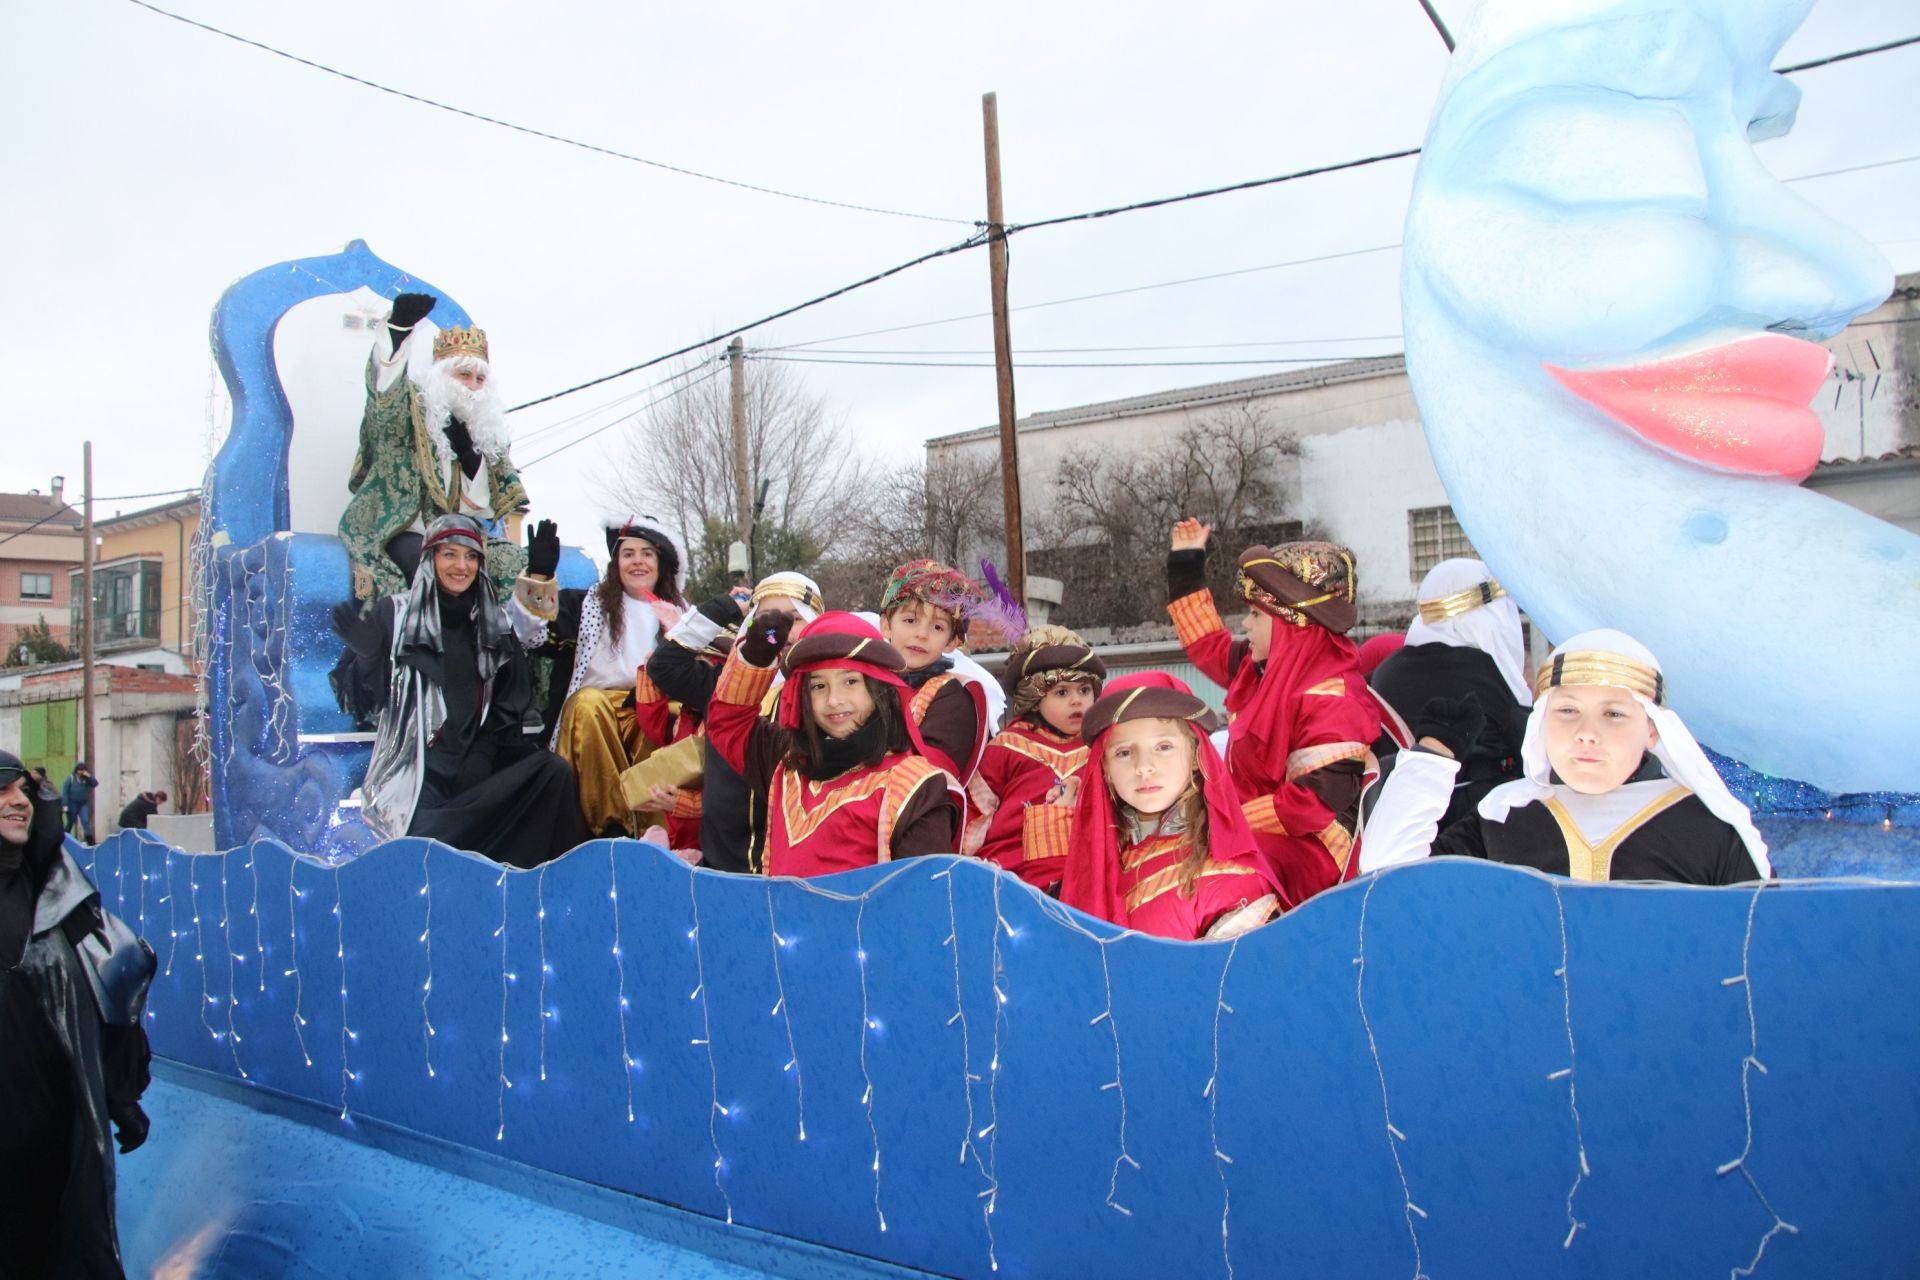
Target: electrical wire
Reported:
point(1853, 168)
point(1843, 57)
point(575, 419)
point(1063, 351)
point(679, 390)
point(1091, 364)
point(541, 133)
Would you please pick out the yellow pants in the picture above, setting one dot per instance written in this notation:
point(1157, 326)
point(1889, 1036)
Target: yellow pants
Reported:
point(598, 737)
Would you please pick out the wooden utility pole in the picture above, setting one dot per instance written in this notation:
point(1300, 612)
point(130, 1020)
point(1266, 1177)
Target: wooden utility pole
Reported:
point(86, 611)
point(1016, 569)
point(742, 482)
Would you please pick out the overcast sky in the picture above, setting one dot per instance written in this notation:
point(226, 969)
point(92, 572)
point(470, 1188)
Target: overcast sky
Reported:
point(150, 164)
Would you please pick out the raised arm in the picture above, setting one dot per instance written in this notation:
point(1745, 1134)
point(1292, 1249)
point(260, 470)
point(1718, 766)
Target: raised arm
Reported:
point(1190, 603)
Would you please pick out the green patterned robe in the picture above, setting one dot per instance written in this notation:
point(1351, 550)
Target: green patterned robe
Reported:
point(396, 480)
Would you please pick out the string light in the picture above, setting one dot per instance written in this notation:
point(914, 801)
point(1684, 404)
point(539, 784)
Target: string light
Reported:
point(991, 1196)
point(1566, 1073)
point(293, 955)
point(143, 889)
point(1394, 1136)
point(200, 950)
point(253, 909)
point(173, 919)
point(226, 944)
point(1212, 1094)
point(1748, 1065)
point(716, 1109)
point(627, 1064)
point(1118, 1085)
point(967, 1076)
point(781, 1010)
point(340, 951)
point(540, 918)
point(500, 1135)
point(867, 1027)
point(426, 939)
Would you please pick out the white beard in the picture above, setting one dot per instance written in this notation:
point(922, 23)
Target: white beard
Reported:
point(443, 396)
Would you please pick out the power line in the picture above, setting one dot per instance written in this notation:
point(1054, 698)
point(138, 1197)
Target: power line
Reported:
point(1843, 57)
point(1089, 297)
point(679, 390)
point(541, 133)
point(971, 242)
point(1095, 364)
point(575, 419)
point(1853, 168)
point(1068, 351)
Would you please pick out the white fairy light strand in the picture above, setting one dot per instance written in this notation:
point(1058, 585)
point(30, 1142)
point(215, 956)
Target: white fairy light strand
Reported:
point(340, 951)
point(1748, 1065)
point(293, 958)
point(781, 1010)
point(1574, 1225)
point(1118, 1085)
point(866, 1033)
point(143, 890)
point(226, 943)
point(1212, 1093)
point(200, 952)
point(626, 1054)
point(426, 938)
point(967, 1077)
point(716, 1108)
point(253, 909)
point(992, 1132)
point(1394, 1136)
point(173, 917)
point(540, 919)
point(506, 977)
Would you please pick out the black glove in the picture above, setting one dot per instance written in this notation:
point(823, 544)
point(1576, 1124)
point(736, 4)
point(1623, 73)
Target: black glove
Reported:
point(1186, 573)
point(543, 549)
point(722, 611)
point(462, 441)
point(360, 630)
point(130, 1126)
point(761, 642)
point(409, 309)
point(1454, 722)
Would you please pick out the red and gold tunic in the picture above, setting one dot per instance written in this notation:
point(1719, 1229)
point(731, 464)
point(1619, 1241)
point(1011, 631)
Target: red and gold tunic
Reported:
point(1022, 764)
point(1300, 726)
point(951, 714)
point(1150, 879)
point(896, 808)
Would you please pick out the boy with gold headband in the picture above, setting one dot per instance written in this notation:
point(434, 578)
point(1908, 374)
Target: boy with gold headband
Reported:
point(1615, 787)
point(1300, 718)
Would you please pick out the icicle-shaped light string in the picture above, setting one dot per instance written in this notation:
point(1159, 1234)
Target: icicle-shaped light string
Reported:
point(540, 919)
point(253, 909)
point(506, 977)
point(173, 919)
point(967, 1077)
point(1748, 1065)
point(143, 889)
point(992, 1132)
point(1212, 1094)
point(293, 959)
point(867, 1028)
point(226, 943)
point(340, 952)
point(626, 1055)
point(781, 1010)
point(426, 938)
point(1394, 1136)
point(1118, 1085)
point(715, 1108)
point(200, 948)
point(1574, 1225)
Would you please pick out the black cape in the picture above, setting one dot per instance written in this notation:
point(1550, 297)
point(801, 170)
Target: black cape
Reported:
point(1409, 678)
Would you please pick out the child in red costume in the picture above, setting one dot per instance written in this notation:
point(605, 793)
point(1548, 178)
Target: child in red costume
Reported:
point(923, 615)
point(1300, 719)
point(1051, 679)
point(1159, 843)
point(841, 767)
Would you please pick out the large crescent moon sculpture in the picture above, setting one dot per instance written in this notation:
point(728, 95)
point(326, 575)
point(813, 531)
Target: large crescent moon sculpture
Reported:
point(1612, 312)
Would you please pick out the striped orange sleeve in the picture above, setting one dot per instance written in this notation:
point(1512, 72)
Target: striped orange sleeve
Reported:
point(644, 689)
point(686, 803)
point(1339, 844)
point(1195, 617)
point(742, 683)
point(1262, 818)
point(1045, 830)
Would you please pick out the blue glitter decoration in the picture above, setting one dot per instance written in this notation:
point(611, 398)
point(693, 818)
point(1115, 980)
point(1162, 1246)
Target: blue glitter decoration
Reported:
point(1768, 796)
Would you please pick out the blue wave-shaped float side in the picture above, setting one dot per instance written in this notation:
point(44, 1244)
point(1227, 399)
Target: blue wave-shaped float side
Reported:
point(1132, 1107)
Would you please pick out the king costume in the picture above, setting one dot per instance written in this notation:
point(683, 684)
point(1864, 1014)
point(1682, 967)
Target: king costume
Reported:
point(408, 469)
point(1673, 819)
point(850, 813)
point(1300, 725)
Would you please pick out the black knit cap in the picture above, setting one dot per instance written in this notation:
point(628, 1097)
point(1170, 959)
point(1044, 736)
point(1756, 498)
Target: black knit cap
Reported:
point(662, 545)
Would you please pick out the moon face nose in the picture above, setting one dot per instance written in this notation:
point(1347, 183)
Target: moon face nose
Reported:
point(1707, 528)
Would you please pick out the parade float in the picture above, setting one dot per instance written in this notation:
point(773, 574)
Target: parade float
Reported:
point(398, 1058)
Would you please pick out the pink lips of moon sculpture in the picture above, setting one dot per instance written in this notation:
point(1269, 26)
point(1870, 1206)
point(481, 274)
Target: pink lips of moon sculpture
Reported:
point(1739, 406)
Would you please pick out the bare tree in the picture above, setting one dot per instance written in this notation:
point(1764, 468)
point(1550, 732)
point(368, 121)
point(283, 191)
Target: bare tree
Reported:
point(678, 461)
point(1105, 535)
point(946, 509)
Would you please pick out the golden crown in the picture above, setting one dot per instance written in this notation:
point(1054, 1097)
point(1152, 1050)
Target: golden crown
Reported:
point(460, 340)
